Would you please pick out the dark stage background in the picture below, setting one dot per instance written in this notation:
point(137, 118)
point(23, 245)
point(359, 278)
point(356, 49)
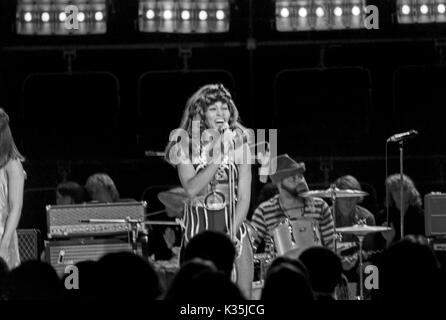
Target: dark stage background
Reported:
point(95, 104)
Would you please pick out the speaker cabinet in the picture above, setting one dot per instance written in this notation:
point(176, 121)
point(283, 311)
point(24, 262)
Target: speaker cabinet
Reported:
point(435, 214)
point(67, 252)
point(29, 240)
point(438, 245)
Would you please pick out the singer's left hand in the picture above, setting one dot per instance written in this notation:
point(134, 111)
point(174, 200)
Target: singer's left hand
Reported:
point(4, 251)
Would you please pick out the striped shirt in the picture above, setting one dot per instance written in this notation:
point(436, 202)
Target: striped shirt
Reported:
point(269, 213)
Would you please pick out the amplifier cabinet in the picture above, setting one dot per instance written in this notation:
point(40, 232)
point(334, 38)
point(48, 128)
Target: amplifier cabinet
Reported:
point(435, 214)
point(67, 220)
point(438, 246)
point(61, 253)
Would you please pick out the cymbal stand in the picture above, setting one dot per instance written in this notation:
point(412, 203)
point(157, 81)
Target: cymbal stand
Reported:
point(134, 226)
point(361, 276)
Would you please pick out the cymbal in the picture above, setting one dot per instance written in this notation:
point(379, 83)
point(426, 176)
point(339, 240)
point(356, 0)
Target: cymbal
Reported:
point(173, 200)
point(338, 193)
point(360, 229)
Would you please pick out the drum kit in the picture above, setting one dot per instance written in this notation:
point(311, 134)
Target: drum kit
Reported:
point(360, 230)
point(290, 237)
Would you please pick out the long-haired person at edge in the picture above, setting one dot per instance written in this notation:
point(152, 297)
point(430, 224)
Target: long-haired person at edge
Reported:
point(12, 179)
point(210, 144)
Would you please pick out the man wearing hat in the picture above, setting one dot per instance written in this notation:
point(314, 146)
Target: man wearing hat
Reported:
point(288, 204)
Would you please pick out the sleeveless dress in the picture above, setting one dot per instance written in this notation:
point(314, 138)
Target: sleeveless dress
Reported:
point(201, 213)
point(13, 252)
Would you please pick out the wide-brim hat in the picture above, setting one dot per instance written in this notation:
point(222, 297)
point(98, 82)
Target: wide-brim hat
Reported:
point(285, 167)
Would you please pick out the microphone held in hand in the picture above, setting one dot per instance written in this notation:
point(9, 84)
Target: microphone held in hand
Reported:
point(403, 136)
point(223, 128)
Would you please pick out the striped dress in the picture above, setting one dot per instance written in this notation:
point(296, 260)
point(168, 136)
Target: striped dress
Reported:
point(198, 216)
point(270, 213)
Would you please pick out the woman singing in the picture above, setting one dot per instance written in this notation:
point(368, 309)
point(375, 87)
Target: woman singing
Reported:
point(211, 153)
point(12, 179)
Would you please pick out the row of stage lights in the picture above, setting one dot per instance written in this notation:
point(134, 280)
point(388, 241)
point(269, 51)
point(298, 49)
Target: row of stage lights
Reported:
point(46, 17)
point(184, 16)
point(57, 17)
point(61, 17)
point(421, 11)
point(304, 15)
point(51, 17)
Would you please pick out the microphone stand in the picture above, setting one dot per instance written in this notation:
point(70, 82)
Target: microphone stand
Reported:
point(333, 200)
point(401, 143)
point(134, 229)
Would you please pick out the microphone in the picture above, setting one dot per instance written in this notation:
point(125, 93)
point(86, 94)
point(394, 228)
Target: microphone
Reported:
point(223, 128)
point(151, 153)
point(403, 136)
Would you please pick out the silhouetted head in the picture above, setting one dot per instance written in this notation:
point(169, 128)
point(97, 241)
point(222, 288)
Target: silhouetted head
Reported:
point(408, 269)
point(214, 246)
point(285, 282)
point(182, 283)
point(295, 262)
point(123, 275)
point(214, 286)
point(35, 280)
point(324, 268)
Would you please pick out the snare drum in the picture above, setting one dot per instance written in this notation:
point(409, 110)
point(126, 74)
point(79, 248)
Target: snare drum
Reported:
point(292, 237)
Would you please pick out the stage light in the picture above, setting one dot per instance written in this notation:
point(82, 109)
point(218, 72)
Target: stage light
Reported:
point(28, 16)
point(167, 15)
point(81, 17)
point(405, 9)
point(356, 11)
point(98, 16)
point(284, 12)
point(439, 11)
point(337, 11)
point(424, 9)
point(202, 15)
point(220, 14)
point(303, 12)
point(150, 14)
point(184, 16)
point(320, 12)
point(61, 17)
point(45, 17)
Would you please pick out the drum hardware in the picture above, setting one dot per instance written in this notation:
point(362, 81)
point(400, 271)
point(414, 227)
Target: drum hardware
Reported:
point(263, 260)
point(333, 193)
point(316, 238)
point(360, 231)
point(150, 214)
